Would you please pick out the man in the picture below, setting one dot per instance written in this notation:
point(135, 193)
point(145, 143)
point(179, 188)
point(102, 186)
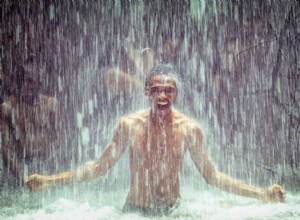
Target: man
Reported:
point(157, 140)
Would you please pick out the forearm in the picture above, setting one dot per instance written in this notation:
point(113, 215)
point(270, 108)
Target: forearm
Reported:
point(92, 170)
point(38, 182)
point(232, 185)
point(82, 174)
point(61, 178)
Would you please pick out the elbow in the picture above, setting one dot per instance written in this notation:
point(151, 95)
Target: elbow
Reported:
point(212, 178)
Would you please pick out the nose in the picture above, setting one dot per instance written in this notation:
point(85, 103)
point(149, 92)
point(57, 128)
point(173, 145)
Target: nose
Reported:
point(162, 95)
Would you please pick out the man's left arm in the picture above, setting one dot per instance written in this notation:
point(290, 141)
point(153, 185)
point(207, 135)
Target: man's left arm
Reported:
point(212, 176)
point(275, 193)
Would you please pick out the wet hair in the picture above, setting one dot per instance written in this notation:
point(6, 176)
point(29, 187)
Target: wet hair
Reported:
point(162, 70)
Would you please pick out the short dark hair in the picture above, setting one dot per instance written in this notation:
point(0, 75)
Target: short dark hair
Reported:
point(161, 70)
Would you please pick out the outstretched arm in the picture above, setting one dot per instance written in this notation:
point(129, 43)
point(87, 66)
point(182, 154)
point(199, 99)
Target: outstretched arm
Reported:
point(274, 193)
point(109, 157)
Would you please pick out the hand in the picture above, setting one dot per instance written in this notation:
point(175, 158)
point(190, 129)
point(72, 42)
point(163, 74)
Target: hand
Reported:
point(274, 193)
point(36, 182)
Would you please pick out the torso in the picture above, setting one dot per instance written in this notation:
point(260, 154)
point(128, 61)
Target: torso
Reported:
point(156, 156)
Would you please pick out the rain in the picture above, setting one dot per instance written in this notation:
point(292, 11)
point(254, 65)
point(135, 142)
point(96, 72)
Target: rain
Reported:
point(71, 69)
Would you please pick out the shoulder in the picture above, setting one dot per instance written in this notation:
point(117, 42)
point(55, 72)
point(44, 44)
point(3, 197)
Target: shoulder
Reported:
point(184, 120)
point(187, 124)
point(134, 120)
point(139, 117)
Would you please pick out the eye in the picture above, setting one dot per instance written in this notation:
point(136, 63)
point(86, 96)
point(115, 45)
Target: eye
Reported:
point(170, 90)
point(155, 90)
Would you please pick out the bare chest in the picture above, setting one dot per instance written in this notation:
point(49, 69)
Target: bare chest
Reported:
point(154, 148)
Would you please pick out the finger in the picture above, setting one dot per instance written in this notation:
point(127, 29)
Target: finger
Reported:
point(282, 196)
point(30, 187)
point(280, 193)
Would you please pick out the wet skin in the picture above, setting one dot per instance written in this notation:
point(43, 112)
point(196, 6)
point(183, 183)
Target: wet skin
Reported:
point(157, 140)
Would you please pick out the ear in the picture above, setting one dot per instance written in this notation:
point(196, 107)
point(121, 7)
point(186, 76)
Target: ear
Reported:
point(176, 95)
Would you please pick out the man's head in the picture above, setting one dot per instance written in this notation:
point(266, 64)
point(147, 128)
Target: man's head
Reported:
point(161, 70)
point(161, 88)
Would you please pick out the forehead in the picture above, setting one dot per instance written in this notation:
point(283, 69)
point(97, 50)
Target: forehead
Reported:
point(160, 80)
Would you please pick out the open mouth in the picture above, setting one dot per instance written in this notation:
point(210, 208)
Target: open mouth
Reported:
point(163, 105)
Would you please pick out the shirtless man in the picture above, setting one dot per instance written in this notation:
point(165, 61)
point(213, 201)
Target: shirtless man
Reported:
point(157, 140)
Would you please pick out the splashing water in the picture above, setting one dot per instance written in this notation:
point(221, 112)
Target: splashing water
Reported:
point(195, 204)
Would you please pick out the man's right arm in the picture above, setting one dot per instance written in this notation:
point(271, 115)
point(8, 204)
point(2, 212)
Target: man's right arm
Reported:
point(109, 157)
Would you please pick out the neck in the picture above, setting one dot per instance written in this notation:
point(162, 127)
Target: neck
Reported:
point(161, 119)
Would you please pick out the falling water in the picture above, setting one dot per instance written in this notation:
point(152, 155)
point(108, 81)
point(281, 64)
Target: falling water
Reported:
point(240, 79)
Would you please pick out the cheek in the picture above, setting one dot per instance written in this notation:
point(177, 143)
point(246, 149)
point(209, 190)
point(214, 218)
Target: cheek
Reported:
point(174, 97)
point(151, 99)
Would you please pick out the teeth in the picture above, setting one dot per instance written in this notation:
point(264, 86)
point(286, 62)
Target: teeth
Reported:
point(162, 103)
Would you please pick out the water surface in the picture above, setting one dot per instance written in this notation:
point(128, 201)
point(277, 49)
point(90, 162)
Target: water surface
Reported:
point(87, 202)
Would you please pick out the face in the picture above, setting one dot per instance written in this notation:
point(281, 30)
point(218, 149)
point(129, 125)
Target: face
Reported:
point(162, 94)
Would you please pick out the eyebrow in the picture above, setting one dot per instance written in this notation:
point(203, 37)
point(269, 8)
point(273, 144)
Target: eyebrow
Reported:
point(163, 86)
